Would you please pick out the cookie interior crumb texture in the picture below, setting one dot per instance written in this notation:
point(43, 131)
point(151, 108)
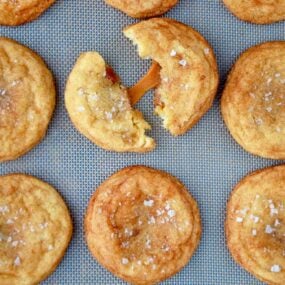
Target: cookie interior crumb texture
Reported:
point(99, 107)
point(189, 75)
point(35, 229)
point(142, 225)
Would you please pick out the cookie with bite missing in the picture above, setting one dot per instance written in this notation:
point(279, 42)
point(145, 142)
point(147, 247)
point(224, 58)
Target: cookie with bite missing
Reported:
point(142, 9)
point(189, 74)
point(255, 224)
point(253, 101)
point(257, 12)
point(35, 229)
point(27, 99)
point(17, 12)
point(142, 225)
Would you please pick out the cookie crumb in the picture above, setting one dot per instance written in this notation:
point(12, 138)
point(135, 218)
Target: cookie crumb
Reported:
point(148, 203)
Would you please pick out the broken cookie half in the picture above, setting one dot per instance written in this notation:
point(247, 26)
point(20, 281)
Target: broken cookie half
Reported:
point(189, 73)
point(100, 109)
point(184, 73)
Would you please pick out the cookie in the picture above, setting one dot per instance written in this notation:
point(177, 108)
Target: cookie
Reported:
point(258, 12)
point(142, 225)
point(142, 9)
point(189, 75)
point(35, 229)
point(27, 99)
point(253, 102)
point(99, 107)
point(255, 224)
point(17, 12)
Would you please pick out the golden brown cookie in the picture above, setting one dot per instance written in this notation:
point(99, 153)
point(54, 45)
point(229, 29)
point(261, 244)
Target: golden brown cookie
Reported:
point(99, 107)
point(142, 8)
point(253, 102)
point(255, 224)
point(189, 75)
point(257, 11)
point(27, 99)
point(35, 229)
point(17, 12)
point(142, 225)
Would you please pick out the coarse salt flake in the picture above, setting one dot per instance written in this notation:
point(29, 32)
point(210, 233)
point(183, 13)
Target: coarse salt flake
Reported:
point(259, 121)
point(277, 223)
point(151, 220)
point(206, 51)
point(4, 209)
point(125, 261)
point(173, 53)
point(80, 109)
point(80, 92)
point(148, 203)
point(273, 211)
point(239, 219)
point(268, 229)
point(171, 213)
point(17, 261)
point(183, 62)
point(9, 222)
point(275, 268)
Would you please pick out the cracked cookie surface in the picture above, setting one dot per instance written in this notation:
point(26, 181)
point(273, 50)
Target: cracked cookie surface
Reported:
point(142, 8)
point(257, 11)
point(35, 229)
point(142, 225)
point(17, 12)
point(255, 224)
point(27, 99)
point(253, 102)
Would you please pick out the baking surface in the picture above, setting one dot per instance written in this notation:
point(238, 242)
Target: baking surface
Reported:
point(206, 159)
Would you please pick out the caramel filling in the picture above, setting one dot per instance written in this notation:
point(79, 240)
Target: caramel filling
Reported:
point(150, 80)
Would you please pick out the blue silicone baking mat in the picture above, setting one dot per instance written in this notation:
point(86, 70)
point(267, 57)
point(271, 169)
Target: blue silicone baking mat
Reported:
point(206, 159)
